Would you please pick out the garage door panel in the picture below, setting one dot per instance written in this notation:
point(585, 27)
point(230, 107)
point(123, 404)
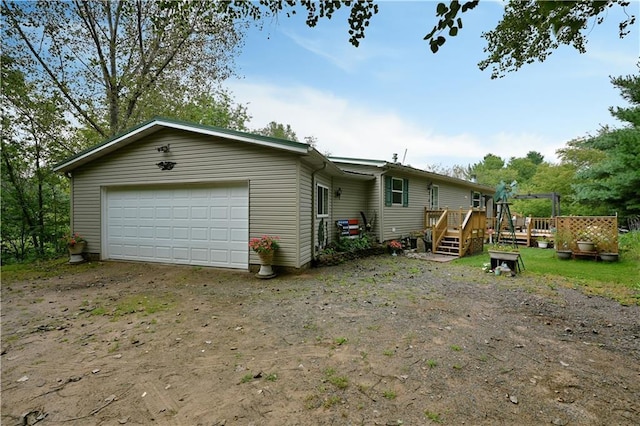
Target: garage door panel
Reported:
point(203, 226)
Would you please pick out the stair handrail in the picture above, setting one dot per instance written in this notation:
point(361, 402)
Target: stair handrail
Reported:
point(465, 233)
point(439, 230)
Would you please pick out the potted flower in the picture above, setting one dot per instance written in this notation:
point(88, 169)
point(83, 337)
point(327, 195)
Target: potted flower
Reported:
point(585, 242)
point(607, 248)
point(75, 245)
point(562, 240)
point(504, 252)
point(543, 242)
point(395, 245)
point(265, 247)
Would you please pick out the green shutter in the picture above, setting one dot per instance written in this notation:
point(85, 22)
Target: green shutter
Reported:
point(405, 192)
point(387, 191)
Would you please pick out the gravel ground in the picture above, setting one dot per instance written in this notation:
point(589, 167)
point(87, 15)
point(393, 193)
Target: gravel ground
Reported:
point(376, 341)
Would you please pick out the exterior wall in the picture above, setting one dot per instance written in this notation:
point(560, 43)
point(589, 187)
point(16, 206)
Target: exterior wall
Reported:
point(399, 221)
point(305, 210)
point(372, 193)
point(454, 197)
point(354, 199)
point(273, 177)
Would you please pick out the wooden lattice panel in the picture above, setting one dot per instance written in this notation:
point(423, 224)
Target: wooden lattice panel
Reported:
point(601, 230)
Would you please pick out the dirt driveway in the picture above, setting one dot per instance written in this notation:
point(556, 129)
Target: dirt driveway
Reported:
point(377, 341)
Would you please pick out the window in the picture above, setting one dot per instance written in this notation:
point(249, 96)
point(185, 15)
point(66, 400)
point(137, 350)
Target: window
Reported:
point(396, 191)
point(476, 200)
point(435, 197)
point(322, 204)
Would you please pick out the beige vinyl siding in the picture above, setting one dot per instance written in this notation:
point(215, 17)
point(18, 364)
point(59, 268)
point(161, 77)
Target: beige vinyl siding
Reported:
point(305, 212)
point(454, 197)
point(406, 219)
point(272, 177)
point(353, 200)
point(374, 196)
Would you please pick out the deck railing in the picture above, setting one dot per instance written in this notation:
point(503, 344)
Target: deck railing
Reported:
point(467, 225)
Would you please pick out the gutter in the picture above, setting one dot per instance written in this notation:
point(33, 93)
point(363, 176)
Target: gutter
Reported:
point(313, 209)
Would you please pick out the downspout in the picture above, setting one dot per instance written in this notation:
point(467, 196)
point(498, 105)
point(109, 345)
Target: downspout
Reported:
point(69, 175)
point(313, 209)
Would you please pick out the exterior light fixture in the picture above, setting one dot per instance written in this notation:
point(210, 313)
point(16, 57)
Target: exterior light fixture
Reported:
point(164, 148)
point(338, 192)
point(166, 165)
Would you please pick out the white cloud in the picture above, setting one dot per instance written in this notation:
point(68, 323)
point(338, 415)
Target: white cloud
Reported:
point(346, 128)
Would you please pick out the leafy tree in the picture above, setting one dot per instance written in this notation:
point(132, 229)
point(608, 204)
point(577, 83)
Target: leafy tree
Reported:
point(216, 108)
point(34, 204)
point(529, 30)
point(277, 130)
point(608, 164)
point(535, 157)
point(524, 168)
point(103, 58)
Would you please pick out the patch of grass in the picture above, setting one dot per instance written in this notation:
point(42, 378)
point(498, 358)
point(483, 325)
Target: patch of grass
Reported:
point(434, 417)
point(432, 363)
point(271, 377)
point(246, 378)
point(388, 352)
point(339, 341)
point(331, 401)
point(341, 382)
point(389, 394)
point(456, 348)
point(41, 269)
point(141, 303)
point(615, 280)
point(312, 401)
point(456, 367)
point(98, 311)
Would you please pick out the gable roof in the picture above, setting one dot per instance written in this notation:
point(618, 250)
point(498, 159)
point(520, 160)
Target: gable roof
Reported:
point(159, 123)
point(384, 166)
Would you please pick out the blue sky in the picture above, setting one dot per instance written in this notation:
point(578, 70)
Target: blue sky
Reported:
point(392, 94)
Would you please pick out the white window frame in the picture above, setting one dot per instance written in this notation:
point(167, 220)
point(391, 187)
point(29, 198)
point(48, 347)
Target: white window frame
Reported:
point(322, 201)
point(397, 191)
point(476, 200)
point(435, 189)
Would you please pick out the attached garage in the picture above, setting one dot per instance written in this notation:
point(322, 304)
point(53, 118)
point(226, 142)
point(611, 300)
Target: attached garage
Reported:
point(193, 225)
point(183, 193)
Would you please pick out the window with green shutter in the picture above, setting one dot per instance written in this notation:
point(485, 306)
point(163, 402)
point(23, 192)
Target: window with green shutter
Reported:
point(396, 191)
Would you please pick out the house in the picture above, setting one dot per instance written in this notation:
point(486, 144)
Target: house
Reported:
point(175, 192)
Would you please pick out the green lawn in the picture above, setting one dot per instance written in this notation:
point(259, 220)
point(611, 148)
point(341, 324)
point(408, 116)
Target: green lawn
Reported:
point(618, 280)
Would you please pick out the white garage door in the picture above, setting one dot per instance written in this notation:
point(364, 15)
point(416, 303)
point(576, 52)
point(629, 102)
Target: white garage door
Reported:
point(195, 226)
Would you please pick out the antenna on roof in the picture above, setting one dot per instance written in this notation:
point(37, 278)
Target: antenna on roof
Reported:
point(404, 156)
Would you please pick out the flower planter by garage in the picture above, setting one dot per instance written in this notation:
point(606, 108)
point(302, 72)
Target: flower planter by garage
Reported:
point(75, 252)
point(564, 254)
point(543, 244)
point(266, 260)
